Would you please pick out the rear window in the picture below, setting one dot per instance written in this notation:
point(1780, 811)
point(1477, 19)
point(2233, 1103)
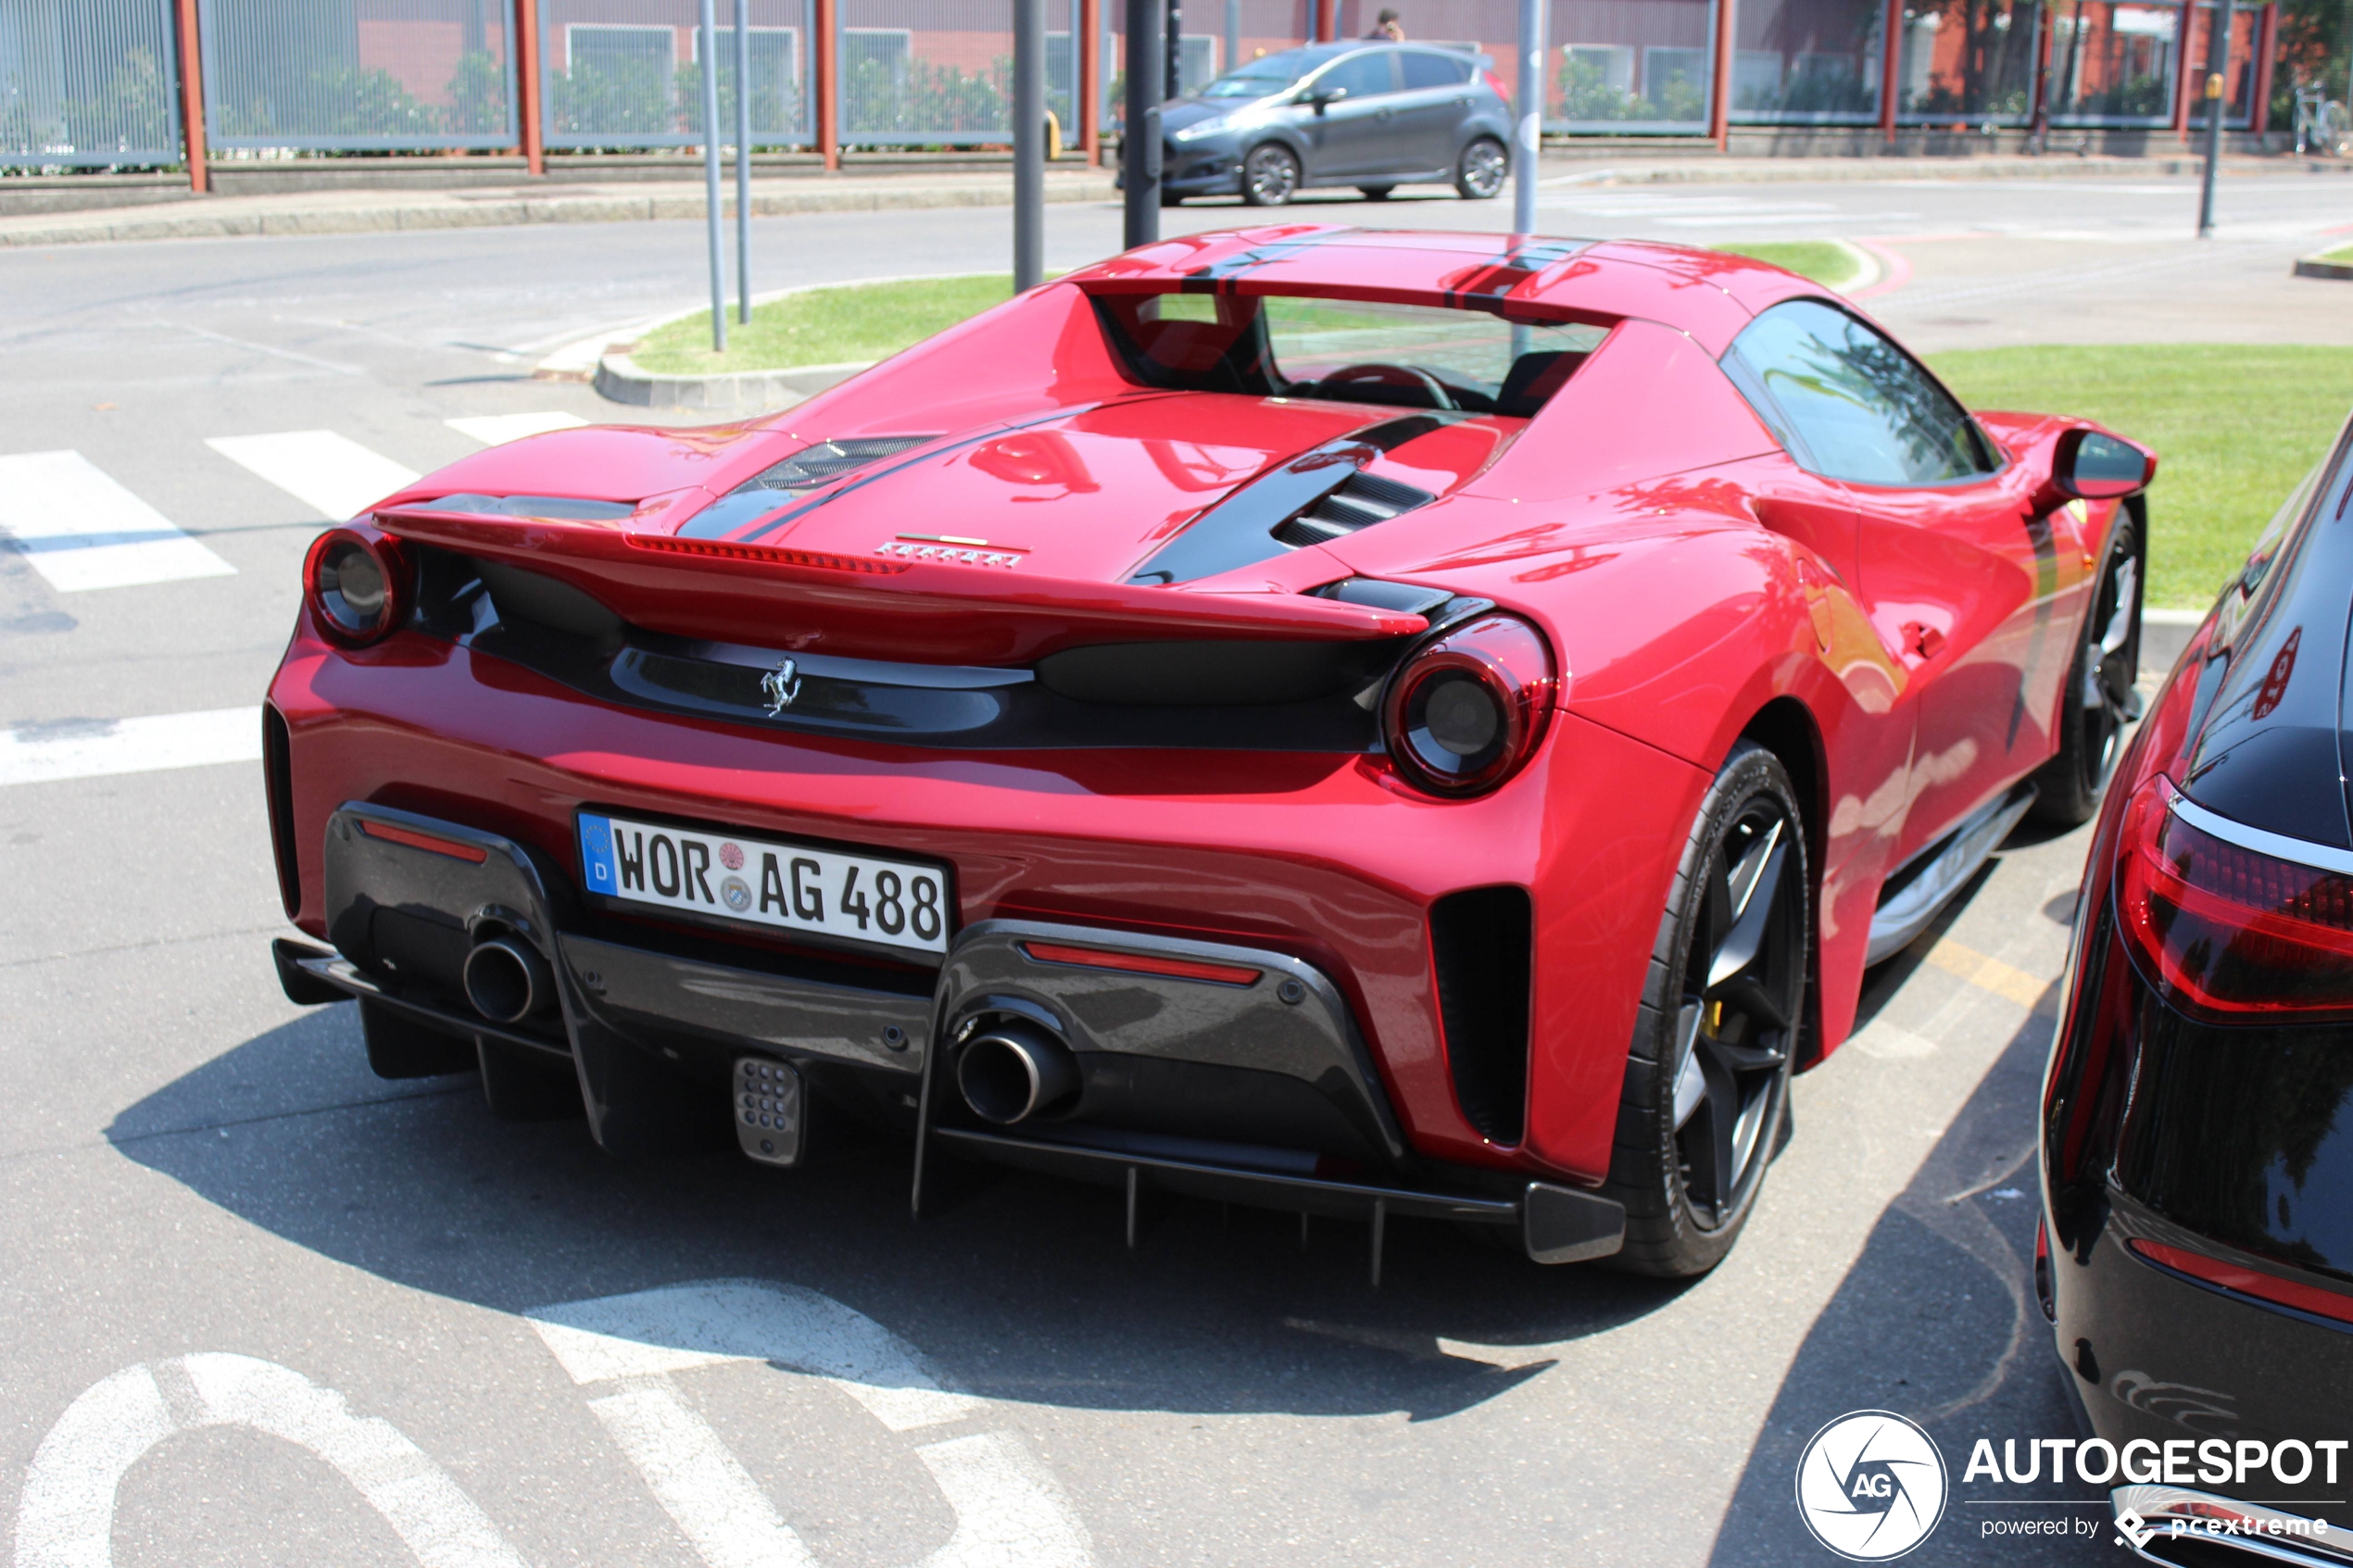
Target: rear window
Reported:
point(1398, 355)
point(1434, 70)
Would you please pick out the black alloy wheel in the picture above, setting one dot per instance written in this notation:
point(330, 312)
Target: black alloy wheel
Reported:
point(1708, 1077)
point(1270, 175)
point(2098, 700)
point(1482, 169)
point(1376, 193)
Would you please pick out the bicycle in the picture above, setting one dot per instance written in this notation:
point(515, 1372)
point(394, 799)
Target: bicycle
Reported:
point(2321, 124)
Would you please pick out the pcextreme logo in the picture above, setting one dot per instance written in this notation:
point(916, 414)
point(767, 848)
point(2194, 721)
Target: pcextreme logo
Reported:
point(1870, 1486)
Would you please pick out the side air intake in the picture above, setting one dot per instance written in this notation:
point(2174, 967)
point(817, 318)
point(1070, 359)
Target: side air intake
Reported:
point(1363, 501)
point(1479, 943)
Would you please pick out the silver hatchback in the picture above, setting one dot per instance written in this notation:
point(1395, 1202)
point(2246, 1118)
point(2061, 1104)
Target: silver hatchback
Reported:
point(1371, 114)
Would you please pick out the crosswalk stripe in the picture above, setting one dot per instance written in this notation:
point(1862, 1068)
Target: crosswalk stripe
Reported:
point(319, 468)
point(89, 749)
point(497, 430)
point(82, 529)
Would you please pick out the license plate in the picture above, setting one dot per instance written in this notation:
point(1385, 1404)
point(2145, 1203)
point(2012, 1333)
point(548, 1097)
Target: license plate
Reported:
point(790, 887)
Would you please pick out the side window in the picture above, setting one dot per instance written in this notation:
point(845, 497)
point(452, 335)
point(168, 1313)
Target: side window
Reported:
point(1365, 76)
point(1425, 70)
point(1860, 408)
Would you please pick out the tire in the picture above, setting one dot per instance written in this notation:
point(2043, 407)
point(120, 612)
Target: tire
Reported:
point(2097, 701)
point(1706, 1104)
point(1376, 193)
point(1170, 198)
point(1270, 175)
point(1480, 173)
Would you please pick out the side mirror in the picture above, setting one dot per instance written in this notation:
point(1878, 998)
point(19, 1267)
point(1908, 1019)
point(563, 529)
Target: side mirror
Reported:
point(2092, 467)
point(1325, 99)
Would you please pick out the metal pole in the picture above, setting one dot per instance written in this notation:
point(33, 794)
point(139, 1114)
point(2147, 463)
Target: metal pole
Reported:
point(1176, 61)
point(1233, 33)
point(2218, 61)
point(1029, 143)
point(743, 162)
point(1531, 115)
point(711, 178)
point(1139, 134)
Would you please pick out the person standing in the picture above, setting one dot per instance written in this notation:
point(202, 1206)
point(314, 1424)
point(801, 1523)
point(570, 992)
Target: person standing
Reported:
point(1388, 27)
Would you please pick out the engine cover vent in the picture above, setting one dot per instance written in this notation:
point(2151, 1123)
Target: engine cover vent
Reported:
point(1361, 501)
point(827, 461)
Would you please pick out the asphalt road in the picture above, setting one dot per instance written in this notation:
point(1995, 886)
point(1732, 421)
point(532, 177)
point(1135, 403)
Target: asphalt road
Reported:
point(258, 1306)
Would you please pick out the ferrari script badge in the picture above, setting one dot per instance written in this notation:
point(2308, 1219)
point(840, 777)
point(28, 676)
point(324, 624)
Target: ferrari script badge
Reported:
point(781, 687)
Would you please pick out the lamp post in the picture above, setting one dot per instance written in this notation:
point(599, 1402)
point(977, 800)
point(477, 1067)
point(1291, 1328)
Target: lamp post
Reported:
point(1029, 143)
point(1531, 116)
point(1140, 138)
point(743, 162)
point(2218, 65)
point(711, 178)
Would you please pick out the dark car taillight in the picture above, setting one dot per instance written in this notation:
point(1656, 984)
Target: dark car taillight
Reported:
point(358, 582)
point(2237, 1277)
point(2225, 933)
point(1469, 708)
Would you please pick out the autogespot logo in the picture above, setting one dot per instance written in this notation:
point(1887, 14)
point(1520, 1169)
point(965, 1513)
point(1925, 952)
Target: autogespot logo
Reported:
point(1870, 1486)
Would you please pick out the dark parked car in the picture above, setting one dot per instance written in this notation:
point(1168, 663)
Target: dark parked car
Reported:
point(2197, 1121)
point(1375, 116)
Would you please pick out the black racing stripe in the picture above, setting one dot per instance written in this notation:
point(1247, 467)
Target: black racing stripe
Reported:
point(920, 454)
point(1505, 270)
point(1218, 277)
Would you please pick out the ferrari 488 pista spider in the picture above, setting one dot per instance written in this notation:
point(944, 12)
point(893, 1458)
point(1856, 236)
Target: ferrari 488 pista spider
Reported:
point(1377, 724)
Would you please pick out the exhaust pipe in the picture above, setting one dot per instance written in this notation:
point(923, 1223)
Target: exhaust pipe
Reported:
point(506, 980)
point(1013, 1071)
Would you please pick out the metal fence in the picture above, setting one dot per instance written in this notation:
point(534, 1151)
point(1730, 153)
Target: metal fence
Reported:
point(345, 75)
point(628, 73)
point(940, 72)
point(88, 83)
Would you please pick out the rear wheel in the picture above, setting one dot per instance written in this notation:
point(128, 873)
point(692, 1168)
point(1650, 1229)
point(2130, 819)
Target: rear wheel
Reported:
point(2098, 700)
point(1270, 175)
point(1708, 1074)
point(1480, 171)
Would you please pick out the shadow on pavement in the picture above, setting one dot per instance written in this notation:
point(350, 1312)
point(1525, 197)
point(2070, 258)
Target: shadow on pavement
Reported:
point(1023, 1287)
point(1936, 1320)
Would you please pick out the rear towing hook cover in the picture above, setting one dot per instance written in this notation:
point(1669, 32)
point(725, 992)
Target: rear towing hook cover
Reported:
point(770, 1109)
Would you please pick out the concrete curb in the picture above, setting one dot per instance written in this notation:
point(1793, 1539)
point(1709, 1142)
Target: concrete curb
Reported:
point(461, 211)
point(1803, 171)
point(2313, 267)
point(620, 379)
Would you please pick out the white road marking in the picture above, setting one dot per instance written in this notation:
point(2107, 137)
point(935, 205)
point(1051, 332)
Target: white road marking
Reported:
point(65, 1517)
point(497, 430)
point(82, 530)
point(89, 749)
point(701, 1486)
point(1009, 1512)
point(319, 468)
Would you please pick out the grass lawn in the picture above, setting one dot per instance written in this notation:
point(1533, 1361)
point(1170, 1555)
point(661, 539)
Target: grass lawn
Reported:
point(2341, 256)
point(2234, 426)
point(824, 326)
point(1827, 262)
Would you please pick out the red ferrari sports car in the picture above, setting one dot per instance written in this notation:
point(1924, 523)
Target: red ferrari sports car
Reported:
point(1368, 724)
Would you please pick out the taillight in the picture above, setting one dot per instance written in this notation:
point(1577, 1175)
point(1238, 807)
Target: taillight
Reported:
point(2248, 1282)
point(1495, 85)
point(1467, 709)
point(2228, 934)
point(358, 585)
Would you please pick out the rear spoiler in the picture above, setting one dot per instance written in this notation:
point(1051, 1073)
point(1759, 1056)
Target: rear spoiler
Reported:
point(967, 612)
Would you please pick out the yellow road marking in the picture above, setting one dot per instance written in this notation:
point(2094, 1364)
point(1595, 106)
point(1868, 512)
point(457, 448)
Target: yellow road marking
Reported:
point(1992, 974)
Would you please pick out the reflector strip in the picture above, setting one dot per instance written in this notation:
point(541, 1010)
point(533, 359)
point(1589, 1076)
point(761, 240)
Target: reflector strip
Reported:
point(719, 551)
point(415, 840)
point(2247, 1282)
point(1140, 963)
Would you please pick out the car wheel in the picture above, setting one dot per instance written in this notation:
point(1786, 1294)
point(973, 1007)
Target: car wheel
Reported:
point(1270, 175)
point(1480, 171)
point(1376, 193)
point(2098, 699)
point(1170, 198)
point(1708, 1077)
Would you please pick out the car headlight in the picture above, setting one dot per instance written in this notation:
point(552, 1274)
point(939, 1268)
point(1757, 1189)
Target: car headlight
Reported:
point(358, 585)
point(1200, 129)
point(1466, 710)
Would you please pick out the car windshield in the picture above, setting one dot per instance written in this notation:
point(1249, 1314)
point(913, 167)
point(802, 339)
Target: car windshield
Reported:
point(1400, 356)
point(1261, 78)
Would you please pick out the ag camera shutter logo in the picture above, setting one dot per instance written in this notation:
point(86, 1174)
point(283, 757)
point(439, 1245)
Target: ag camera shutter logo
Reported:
point(1871, 1485)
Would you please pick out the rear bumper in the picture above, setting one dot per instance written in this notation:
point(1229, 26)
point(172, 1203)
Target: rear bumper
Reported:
point(1261, 1093)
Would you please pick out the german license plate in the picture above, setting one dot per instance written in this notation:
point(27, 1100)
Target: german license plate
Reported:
point(734, 876)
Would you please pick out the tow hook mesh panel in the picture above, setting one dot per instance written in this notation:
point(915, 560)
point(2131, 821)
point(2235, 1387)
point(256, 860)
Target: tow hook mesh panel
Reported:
point(1478, 942)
